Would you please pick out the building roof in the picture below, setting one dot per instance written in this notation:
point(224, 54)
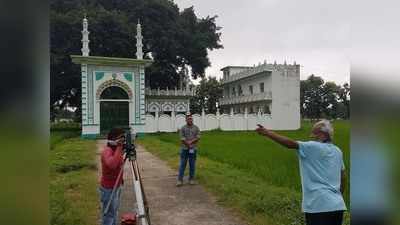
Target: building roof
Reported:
point(109, 61)
point(246, 74)
point(239, 67)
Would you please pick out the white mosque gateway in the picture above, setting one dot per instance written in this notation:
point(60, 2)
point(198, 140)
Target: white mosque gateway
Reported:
point(114, 92)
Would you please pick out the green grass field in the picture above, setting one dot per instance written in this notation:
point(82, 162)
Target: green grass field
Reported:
point(73, 180)
point(256, 177)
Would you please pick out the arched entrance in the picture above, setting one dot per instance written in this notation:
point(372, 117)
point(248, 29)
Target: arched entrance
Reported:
point(114, 109)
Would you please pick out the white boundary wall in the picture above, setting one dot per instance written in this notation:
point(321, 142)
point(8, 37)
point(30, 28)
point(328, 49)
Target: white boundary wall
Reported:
point(227, 122)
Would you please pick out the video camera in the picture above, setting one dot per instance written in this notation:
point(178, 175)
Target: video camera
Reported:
point(129, 146)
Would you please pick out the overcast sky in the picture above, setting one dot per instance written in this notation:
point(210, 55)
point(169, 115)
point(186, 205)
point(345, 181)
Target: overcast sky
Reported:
point(314, 33)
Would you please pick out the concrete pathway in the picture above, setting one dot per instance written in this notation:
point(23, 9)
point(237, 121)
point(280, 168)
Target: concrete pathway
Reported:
point(171, 205)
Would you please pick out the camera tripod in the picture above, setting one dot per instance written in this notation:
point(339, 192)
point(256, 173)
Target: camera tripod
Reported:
point(143, 214)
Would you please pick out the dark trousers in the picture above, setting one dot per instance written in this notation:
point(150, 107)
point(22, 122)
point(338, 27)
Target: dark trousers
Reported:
point(186, 156)
point(324, 218)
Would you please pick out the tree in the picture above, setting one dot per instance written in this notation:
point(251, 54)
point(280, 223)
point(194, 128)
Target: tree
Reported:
point(330, 99)
point(197, 37)
point(320, 99)
point(174, 39)
point(344, 99)
point(311, 96)
point(207, 95)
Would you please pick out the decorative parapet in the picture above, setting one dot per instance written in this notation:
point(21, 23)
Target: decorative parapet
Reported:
point(167, 106)
point(110, 61)
point(251, 71)
point(172, 93)
point(246, 98)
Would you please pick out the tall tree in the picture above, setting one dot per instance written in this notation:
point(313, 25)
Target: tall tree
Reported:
point(311, 96)
point(174, 39)
point(198, 35)
point(207, 95)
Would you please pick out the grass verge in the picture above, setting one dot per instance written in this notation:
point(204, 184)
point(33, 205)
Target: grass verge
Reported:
point(73, 180)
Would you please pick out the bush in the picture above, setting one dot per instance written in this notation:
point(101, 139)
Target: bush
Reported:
point(65, 126)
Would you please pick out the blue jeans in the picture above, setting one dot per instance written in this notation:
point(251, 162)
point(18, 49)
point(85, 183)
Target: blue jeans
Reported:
point(111, 217)
point(185, 156)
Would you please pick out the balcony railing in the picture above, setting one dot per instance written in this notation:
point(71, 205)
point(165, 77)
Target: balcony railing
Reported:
point(173, 92)
point(246, 98)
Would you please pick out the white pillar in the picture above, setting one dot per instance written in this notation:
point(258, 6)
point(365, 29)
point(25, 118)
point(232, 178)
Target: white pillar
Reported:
point(85, 38)
point(245, 117)
point(173, 119)
point(203, 119)
point(157, 121)
point(188, 107)
point(218, 114)
point(259, 116)
point(139, 44)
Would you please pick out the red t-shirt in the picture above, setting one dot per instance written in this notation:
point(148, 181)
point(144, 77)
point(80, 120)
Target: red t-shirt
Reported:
point(111, 163)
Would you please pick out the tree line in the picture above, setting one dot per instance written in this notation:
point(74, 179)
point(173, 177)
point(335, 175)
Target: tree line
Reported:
point(320, 99)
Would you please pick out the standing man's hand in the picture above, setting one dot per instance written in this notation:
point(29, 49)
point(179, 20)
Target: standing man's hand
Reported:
point(187, 143)
point(190, 144)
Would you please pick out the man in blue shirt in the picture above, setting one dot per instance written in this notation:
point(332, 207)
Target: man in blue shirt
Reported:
point(321, 171)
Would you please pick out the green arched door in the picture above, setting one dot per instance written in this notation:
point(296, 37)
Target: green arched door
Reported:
point(114, 109)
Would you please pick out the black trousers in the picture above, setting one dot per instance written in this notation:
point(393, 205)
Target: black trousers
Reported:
point(324, 218)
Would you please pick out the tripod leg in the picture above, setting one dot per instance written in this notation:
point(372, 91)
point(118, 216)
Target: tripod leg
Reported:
point(138, 194)
point(146, 206)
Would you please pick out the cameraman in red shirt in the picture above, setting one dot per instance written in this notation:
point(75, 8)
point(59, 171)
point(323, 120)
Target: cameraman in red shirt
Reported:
point(111, 164)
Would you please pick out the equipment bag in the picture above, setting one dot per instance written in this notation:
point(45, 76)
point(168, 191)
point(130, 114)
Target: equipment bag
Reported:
point(128, 219)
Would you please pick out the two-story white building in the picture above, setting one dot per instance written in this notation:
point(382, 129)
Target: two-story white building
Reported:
point(272, 89)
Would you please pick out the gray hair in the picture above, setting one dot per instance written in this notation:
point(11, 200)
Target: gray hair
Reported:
point(326, 127)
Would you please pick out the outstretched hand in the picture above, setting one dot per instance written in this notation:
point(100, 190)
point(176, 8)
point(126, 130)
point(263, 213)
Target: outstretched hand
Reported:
point(285, 141)
point(260, 129)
